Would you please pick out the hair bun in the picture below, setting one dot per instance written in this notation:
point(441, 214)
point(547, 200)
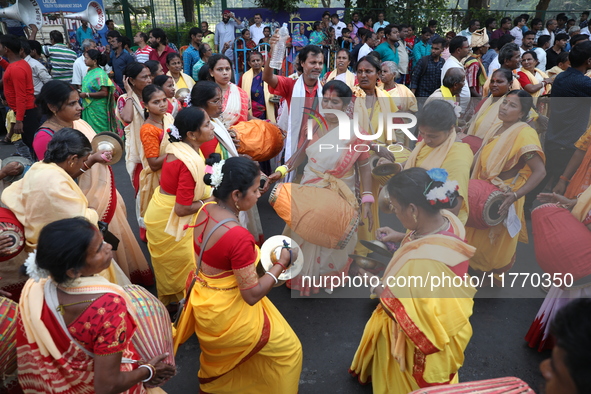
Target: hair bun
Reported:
point(207, 179)
point(213, 158)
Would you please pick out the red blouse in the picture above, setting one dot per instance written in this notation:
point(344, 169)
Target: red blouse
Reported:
point(207, 148)
point(234, 250)
point(178, 181)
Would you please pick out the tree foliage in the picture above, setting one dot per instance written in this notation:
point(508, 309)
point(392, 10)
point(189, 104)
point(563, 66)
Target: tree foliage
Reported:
point(278, 5)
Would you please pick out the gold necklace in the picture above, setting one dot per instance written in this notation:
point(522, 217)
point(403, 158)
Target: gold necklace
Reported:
point(58, 124)
point(445, 225)
point(155, 121)
point(227, 209)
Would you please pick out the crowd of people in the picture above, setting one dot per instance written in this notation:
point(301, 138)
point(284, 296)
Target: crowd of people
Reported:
point(492, 113)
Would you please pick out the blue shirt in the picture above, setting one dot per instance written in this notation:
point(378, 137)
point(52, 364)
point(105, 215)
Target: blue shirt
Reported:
point(488, 57)
point(387, 53)
point(82, 35)
point(190, 57)
point(419, 50)
point(569, 109)
point(119, 63)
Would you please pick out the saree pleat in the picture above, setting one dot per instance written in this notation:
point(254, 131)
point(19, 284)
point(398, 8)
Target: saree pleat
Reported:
point(172, 261)
point(245, 349)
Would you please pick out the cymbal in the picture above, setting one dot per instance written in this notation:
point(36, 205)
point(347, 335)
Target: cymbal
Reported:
point(384, 202)
point(111, 142)
point(271, 250)
point(377, 247)
point(19, 159)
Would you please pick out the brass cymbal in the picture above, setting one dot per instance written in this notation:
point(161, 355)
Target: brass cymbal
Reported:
point(109, 141)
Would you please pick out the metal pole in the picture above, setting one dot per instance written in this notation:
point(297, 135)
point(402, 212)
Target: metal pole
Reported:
point(153, 14)
point(198, 13)
point(127, 18)
point(224, 5)
point(176, 21)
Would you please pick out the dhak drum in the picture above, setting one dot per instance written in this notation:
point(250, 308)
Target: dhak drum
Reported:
point(318, 215)
point(383, 172)
point(8, 322)
point(153, 335)
point(260, 140)
point(10, 226)
point(562, 244)
point(484, 201)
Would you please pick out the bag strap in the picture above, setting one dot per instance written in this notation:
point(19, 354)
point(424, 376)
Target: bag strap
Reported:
point(204, 243)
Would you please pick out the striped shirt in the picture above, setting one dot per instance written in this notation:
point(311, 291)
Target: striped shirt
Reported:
point(61, 59)
point(143, 55)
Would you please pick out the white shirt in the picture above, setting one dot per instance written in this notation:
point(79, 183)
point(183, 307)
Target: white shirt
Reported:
point(541, 58)
point(338, 28)
point(256, 33)
point(494, 65)
point(79, 71)
point(585, 31)
point(364, 51)
point(40, 74)
point(452, 62)
point(402, 58)
point(518, 34)
point(225, 32)
point(468, 34)
point(379, 25)
point(545, 32)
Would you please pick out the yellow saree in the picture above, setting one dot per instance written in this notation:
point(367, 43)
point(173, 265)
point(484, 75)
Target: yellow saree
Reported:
point(170, 245)
point(455, 157)
point(495, 249)
point(486, 118)
point(408, 343)
point(404, 98)
point(98, 185)
point(370, 120)
point(244, 349)
point(349, 78)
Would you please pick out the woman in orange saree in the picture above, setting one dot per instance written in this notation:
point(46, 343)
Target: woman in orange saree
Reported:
point(75, 327)
point(407, 343)
point(246, 344)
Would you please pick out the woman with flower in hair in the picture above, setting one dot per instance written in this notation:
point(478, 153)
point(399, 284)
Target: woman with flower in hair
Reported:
point(512, 159)
point(246, 344)
point(408, 343)
point(75, 328)
point(175, 202)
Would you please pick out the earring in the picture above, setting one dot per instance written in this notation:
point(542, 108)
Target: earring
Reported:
point(237, 207)
point(414, 216)
point(71, 164)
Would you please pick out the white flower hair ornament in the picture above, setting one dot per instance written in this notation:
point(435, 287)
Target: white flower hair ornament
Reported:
point(443, 193)
point(174, 132)
point(217, 176)
point(33, 269)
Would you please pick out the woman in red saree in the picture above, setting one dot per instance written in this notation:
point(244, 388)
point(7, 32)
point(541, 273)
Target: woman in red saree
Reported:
point(235, 101)
point(75, 328)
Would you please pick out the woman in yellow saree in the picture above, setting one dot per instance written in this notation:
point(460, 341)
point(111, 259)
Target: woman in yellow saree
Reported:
point(408, 343)
point(49, 191)
point(175, 203)
point(512, 159)
point(440, 149)
point(76, 328)
point(487, 115)
point(246, 344)
point(372, 106)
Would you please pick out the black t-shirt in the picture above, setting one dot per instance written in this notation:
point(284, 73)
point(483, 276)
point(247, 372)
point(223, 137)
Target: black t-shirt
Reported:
point(551, 58)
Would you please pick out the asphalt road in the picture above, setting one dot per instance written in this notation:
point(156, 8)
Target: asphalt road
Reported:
point(330, 327)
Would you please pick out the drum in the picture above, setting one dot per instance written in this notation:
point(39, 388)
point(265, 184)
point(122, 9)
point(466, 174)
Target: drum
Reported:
point(562, 244)
point(8, 320)
point(259, 139)
point(474, 142)
point(484, 201)
point(382, 173)
point(153, 335)
point(318, 215)
point(507, 385)
point(9, 225)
